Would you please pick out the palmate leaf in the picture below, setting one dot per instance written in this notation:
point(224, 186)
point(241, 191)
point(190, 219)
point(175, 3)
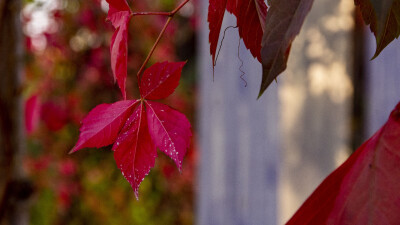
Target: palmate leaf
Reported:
point(383, 16)
point(365, 188)
point(137, 127)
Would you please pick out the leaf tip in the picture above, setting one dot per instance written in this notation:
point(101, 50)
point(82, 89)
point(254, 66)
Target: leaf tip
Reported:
point(74, 149)
point(136, 194)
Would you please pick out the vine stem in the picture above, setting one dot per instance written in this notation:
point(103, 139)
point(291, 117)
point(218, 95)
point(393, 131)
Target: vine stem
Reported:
point(170, 16)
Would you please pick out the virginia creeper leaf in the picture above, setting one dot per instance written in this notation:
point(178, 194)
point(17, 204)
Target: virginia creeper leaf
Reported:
point(160, 80)
point(119, 14)
point(137, 131)
point(365, 188)
point(383, 16)
point(283, 23)
point(169, 130)
point(102, 125)
point(250, 15)
point(134, 151)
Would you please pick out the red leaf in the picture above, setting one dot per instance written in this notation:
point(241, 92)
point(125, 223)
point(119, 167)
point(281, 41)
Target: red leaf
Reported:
point(250, 16)
point(283, 23)
point(137, 132)
point(55, 116)
point(102, 125)
point(216, 10)
point(160, 80)
point(134, 151)
point(119, 14)
point(364, 189)
point(32, 113)
point(384, 19)
point(169, 130)
point(115, 7)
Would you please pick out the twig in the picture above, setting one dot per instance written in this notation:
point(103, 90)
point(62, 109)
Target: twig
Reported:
point(154, 47)
point(170, 16)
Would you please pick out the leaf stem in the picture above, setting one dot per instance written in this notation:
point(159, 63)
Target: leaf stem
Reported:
point(150, 13)
point(170, 16)
point(154, 47)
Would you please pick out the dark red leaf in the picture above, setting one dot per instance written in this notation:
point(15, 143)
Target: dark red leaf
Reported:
point(383, 16)
point(134, 151)
point(250, 16)
point(102, 125)
point(364, 189)
point(160, 80)
point(216, 11)
point(32, 113)
point(283, 23)
point(119, 14)
point(55, 116)
point(169, 130)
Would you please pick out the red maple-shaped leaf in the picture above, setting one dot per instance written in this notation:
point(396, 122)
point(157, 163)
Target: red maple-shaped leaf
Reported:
point(138, 127)
point(250, 15)
point(119, 14)
point(365, 188)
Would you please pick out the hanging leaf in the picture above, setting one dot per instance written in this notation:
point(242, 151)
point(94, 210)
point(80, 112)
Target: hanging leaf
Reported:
point(137, 127)
point(283, 23)
point(216, 11)
point(364, 189)
point(119, 14)
point(383, 16)
point(250, 15)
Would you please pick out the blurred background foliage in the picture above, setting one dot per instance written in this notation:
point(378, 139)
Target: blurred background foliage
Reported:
point(67, 74)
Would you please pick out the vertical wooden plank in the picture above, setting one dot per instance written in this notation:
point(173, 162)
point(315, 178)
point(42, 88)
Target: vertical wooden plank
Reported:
point(383, 83)
point(315, 94)
point(238, 136)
